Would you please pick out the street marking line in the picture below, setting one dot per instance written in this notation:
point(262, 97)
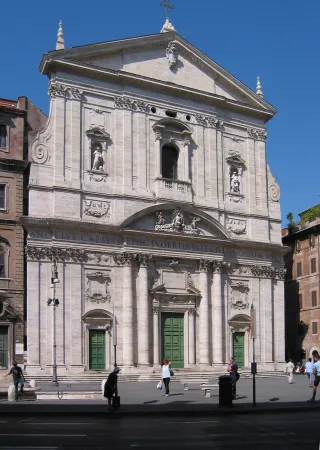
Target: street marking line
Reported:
point(68, 423)
point(42, 435)
point(25, 420)
point(201, 421)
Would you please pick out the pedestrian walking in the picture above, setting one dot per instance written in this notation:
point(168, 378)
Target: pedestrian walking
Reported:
point(233, 372)
point(111, 388)
point(18, 378)
point(289, 368)
point(309, 372)
point(316, 371)
point(166, 375)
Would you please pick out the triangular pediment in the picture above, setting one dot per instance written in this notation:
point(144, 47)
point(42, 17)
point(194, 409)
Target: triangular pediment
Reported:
point(166, 57)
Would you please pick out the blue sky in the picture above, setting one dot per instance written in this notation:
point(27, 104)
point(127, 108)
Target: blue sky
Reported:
point(278, 40)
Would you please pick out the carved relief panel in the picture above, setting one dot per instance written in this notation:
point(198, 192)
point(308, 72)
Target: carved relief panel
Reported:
point(97, 286)
point(238, 296)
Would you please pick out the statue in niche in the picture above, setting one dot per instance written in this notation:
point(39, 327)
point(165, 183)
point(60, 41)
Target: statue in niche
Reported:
point(234, 183)
point(97, 158)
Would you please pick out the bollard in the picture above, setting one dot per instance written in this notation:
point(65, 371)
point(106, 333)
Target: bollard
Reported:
point(33, 384)
point(103, 382)
point(225, 391)
point(11, 393)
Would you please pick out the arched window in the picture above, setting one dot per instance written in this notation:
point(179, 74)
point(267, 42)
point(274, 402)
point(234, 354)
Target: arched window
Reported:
point(169, 162)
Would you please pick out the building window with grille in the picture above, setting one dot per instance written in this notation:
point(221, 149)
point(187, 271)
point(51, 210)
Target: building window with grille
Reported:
point(314, 327)
point(3, 196)
point(299, 269)
point(314, 300)
point(2, 265)
point(313, 265)
point(3, 136)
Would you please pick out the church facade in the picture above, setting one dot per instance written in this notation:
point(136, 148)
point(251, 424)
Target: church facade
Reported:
point(150, 191)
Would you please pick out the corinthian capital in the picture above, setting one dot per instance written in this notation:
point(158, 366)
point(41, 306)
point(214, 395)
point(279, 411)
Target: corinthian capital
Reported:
point(143, 259)
point(203, 265)
point(124, 259)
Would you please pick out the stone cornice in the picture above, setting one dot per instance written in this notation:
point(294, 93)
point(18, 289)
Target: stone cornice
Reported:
point(32, 223)
point(122, 77)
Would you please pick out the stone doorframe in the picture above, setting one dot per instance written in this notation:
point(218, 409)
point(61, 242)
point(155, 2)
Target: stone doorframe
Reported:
point(11, 355)
point(97, 320)
point(240, 323)
point(181, 304)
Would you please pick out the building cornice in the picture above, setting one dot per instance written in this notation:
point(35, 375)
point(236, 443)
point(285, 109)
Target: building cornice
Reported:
point(122, 77)
point(32, 223)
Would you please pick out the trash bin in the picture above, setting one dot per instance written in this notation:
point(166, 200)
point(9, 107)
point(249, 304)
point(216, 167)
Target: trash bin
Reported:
point(225, 391)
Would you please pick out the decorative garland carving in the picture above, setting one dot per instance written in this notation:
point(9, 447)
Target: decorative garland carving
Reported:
point(62, 90)
point(209, 121)
point(96, 209)
point(129, 103)
point(259, 135)
point(236, 226)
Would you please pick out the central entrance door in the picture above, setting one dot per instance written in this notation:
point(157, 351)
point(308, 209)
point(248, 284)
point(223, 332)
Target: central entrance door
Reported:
point(97, 349)
point(238, 348)
point(3, 347)
point(172, 338)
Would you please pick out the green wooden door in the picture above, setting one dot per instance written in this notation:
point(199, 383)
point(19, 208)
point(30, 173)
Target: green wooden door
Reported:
point(172, 339)
point(4, 347)
point(238, 348)
point(97, 350)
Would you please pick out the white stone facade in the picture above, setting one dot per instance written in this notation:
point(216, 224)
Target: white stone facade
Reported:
point(202, 245)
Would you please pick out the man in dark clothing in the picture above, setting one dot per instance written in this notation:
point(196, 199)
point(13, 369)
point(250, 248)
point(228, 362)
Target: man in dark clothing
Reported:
point(18, 378)
point(233, 372)
point(111, 387)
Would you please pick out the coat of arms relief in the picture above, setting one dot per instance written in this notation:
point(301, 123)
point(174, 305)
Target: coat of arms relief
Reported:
point(178, 223)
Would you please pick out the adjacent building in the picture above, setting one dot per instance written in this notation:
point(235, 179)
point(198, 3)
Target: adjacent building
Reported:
point(18, 119)
point(150, 191)
point(302, 286)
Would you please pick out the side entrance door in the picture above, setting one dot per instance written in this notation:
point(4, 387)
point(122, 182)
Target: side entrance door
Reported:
point(3, 347)
point(97, 349)
point(238, 348)
point(172, 339)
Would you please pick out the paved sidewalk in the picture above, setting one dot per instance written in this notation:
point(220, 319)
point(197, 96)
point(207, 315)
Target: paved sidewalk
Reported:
point(143, 398)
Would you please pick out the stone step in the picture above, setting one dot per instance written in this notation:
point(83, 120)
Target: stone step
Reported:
point(178, 375)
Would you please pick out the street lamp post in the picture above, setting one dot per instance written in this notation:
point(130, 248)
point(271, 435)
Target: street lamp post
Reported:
point(253, 364)
point(115, 339)
point(54, 302)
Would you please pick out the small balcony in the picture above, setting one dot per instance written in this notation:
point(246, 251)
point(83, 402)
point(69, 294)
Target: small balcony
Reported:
point(173, 189)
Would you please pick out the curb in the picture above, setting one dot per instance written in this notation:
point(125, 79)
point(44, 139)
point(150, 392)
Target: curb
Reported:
point(126, 410)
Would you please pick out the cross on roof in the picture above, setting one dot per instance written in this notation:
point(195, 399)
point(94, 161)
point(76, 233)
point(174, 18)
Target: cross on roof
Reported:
point(166, 4)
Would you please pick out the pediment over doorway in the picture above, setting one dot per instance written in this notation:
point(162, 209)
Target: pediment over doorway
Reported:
point(176, 220)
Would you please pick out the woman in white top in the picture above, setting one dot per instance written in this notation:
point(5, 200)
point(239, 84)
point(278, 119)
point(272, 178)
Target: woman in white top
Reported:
point(166, 375)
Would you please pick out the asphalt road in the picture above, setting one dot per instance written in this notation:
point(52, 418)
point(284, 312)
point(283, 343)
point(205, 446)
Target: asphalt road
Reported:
point(262, 431)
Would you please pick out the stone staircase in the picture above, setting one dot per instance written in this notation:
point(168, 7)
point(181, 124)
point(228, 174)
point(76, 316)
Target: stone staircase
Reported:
point(179, 374)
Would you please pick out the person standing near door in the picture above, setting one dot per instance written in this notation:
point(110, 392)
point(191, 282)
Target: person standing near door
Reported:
point(233, 372)
point(166, 375)
point(18, 378)
point(111, 387)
